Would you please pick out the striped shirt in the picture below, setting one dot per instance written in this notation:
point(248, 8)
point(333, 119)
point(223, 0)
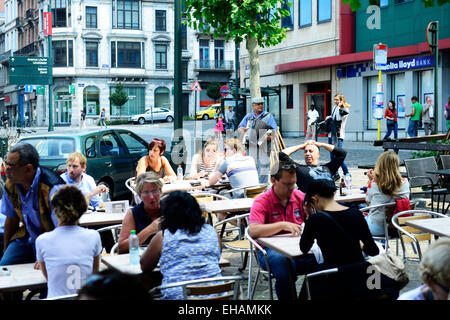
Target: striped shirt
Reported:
point(241, 171)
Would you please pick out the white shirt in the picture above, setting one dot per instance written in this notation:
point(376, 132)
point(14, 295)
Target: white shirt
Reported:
point(86, 186)
point(313, 115)
point(414, 294)
point(68, 253)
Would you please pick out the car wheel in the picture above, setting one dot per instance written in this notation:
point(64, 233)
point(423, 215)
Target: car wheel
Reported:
point(205, 117)
point(169, 118)
point(141, 121)
point(110, 194)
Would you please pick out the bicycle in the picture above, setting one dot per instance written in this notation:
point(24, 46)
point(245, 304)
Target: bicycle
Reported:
point(14, 138)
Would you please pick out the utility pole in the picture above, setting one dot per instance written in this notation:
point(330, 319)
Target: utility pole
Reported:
point(433, 44)
point(50, 60)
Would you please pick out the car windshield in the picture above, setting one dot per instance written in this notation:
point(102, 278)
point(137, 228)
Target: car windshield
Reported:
point(53, 148)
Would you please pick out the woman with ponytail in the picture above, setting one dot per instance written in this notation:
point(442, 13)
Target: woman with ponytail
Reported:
point(69, 254)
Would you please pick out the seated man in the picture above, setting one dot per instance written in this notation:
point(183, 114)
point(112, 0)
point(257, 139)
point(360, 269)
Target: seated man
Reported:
point(76, 174)
point(312, 170)
point(26, 203)
point(240, 169)
point(278, 210)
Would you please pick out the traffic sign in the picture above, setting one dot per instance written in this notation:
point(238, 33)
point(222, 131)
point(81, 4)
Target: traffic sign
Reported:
point(224, 90)
point(30, 70)
point(196, 86)
point(29, 61)
point(380, 56)
point(40, 90)
point(72, 89)
point(28, 88)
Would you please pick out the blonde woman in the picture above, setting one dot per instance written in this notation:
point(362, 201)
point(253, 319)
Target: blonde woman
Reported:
point(387, 186)
point(204, 162)
point(69, 249)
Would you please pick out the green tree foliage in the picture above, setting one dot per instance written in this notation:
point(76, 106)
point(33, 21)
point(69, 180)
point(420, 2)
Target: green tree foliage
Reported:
point(213, 90)
point(254, 21)
point(118, 98)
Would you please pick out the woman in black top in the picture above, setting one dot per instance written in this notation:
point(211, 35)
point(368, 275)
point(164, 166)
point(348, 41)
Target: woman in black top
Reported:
point(340, 244)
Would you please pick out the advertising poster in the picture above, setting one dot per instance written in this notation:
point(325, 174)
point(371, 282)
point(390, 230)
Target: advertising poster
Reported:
point(401, 106)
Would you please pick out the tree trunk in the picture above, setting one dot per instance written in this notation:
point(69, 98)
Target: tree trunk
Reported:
point(252, 48)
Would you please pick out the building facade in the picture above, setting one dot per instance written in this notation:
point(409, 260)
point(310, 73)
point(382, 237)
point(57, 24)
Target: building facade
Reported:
point(329, 51)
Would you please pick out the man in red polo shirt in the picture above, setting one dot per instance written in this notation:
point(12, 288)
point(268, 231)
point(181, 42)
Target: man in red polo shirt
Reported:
point(280, 210)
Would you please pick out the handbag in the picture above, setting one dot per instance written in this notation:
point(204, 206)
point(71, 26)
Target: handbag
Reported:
point(386, 263)
point(390, 122)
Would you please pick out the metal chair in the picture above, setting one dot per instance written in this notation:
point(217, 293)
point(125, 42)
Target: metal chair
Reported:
point(254, 248)
point(115, 230)
point(249, 191)
point(66, 297)
point(206, 197)
point(348, 282)
point(240, 244)
point(410, 234)
point(418, 176)
point(445, 161)
point(389, 206)
point(130, 183)
point(222, 288)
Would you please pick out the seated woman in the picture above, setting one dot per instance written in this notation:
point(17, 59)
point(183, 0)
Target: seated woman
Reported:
point(203, 163)
point(387, 186)
point(155, 161)
point(187, 248)
point(341, 232)
point(68, 254)
point(144, 217)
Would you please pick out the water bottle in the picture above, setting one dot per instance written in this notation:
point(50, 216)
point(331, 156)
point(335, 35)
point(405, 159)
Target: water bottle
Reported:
point(348, 183)
point(180, 172)
point(133, 243)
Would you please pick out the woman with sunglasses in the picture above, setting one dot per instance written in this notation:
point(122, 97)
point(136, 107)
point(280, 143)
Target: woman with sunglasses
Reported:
point(155, 161)
point(144, 217)
point(203, 163)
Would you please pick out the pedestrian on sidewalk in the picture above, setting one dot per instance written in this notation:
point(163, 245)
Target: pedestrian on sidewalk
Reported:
point(416, 113)
point(391, 120)
point(103, 118)
point(447, 113)
point(82, 119)
point(311, 117)
point(428, 117)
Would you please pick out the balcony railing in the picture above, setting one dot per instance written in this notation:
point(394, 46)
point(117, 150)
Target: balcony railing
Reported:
point(30, 14)
point(214, 65)
point(4, 57)
point(27, 50)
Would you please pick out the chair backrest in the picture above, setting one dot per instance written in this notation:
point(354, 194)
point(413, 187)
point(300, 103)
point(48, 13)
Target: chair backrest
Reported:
point(66, 297)
point(217, 288)
point(115, 229)
point(445, 160)
point(255, 191)
point(417, 170)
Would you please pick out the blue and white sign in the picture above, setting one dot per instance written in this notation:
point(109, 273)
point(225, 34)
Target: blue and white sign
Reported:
point(28, 88)
point(410, 63)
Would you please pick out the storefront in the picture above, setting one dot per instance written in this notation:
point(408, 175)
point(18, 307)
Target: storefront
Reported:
point(404, 78)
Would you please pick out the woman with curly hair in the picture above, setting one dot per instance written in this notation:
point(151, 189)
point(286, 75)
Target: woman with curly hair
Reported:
point(70, 253)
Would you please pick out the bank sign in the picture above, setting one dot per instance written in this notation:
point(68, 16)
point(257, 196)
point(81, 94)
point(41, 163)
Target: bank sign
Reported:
point(410, 63)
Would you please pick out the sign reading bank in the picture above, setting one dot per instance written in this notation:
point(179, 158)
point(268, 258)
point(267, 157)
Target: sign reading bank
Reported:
point(410, 63)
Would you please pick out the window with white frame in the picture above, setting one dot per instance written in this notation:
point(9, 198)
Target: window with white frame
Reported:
point(160, 56)
point(288, 21)
point(160, 20)
point(127, 54)
point(91, 17)
point(60, 13)
point(91, 54)
point(62, 53)
point(126, 14)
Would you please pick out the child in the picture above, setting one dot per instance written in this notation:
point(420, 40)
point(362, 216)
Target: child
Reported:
point(68, 254)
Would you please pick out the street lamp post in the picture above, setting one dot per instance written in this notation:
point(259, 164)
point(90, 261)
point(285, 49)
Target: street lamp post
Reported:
point(50, 86)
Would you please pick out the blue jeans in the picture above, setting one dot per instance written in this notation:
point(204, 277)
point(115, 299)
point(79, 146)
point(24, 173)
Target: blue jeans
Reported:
point(279, 265)
point(375, 228)
point(343, 165)
point(18, 253)
point(413, 126)
point(390, 129)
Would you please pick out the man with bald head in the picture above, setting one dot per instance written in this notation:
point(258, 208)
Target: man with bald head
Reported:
point(312, 170)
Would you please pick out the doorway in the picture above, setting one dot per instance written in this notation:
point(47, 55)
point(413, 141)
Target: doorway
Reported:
point(320, 102)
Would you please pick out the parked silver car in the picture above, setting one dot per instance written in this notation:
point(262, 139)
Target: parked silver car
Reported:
point(159, 114)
